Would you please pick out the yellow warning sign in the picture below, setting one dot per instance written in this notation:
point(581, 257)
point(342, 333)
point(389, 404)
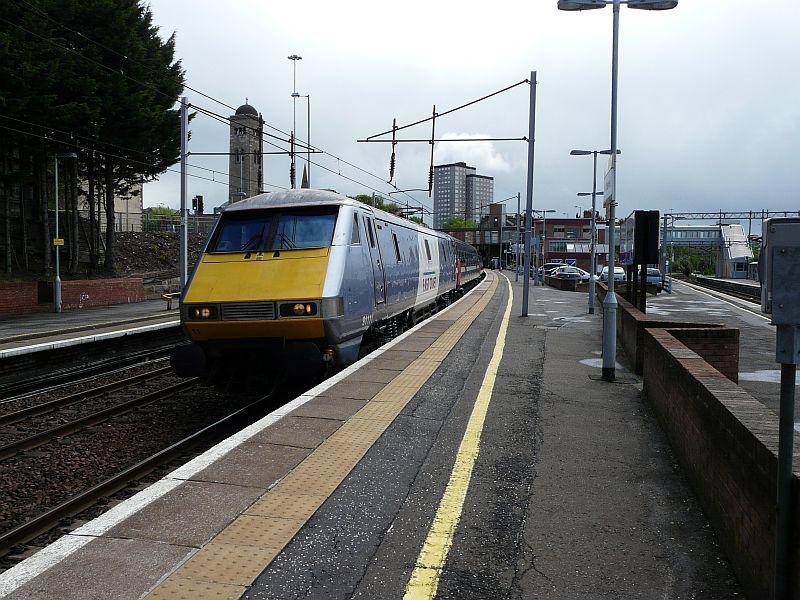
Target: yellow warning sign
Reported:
point(58, 241)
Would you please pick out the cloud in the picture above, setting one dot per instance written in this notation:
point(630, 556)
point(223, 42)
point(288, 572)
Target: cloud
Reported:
point(482, 155)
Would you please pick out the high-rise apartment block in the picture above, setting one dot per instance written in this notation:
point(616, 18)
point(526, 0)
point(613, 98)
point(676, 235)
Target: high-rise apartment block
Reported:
point(458, 191)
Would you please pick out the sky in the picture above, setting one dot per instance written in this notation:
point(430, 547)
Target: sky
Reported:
point(709, 95)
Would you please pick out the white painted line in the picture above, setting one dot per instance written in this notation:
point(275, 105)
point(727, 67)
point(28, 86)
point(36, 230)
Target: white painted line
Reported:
point(85, 339)
point(718, 295)
point(47, 557)
point(53, 553)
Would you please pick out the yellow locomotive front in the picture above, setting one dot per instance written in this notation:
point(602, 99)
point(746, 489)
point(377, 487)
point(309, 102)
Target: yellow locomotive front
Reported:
point(257, 285)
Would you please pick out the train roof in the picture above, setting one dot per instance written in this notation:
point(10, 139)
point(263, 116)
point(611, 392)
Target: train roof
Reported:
point(290, 199)
point(305, 196)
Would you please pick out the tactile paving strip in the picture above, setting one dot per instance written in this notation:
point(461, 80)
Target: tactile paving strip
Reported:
point(237, 555)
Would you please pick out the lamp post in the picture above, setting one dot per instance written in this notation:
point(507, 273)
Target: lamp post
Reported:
point(610, 302)
point(57, 281)
point(543, 214)
point(294, 58)
point(594, 195)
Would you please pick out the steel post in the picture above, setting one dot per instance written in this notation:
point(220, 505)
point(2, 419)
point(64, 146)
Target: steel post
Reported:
point(783, 518)
point(593, 267)
point(610, 302)
point(518, 239)
point(529, 193)
point(184, 224)
point(57, 281)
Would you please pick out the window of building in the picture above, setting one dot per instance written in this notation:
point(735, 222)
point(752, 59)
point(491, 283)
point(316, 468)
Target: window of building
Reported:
point(557, 246)
point(558, 231)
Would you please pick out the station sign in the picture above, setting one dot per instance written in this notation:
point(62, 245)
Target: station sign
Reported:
point(58, 241)
point(638, 238)
point(609, 191)
point(572, 262)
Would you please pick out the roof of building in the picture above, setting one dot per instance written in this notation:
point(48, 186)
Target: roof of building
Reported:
point(455, 164)
point(246, 109)
point(480, 176)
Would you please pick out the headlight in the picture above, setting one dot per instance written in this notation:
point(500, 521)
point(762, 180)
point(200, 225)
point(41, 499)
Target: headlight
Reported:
point(298, 309)
point(202, 313)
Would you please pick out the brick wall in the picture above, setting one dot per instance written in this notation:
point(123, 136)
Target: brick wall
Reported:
point(17, 298)
point(726, 442)
point(82, 293)
point(632, 324)
point(718, 346)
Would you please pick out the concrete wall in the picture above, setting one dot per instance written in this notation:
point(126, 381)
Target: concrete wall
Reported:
point(726, 442)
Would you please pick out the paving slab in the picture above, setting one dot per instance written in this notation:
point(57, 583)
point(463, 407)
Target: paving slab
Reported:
point(123, 569)
point(190, 515)
point(253, 464)
point(323, 407)
point(301, 432)
point(357, 390)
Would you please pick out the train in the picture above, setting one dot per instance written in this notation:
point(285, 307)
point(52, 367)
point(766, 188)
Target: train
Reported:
point(305, 280)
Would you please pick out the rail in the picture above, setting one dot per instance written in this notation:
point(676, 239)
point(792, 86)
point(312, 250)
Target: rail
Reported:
point(51, 518)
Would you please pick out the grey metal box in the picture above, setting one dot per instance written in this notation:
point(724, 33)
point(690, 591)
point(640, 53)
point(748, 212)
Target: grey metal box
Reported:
point(779, 268)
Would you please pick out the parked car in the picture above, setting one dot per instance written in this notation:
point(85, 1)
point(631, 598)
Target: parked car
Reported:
point(654, 277)
point(547, 267)
point(567, 272)
point(619, 274)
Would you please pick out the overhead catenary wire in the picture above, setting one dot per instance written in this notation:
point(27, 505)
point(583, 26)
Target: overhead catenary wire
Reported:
point(226, 121)
point(113, 145)
point(447, 112)
point(73, 144)
point(216, 100)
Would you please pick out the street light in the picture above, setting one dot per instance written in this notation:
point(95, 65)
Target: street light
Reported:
point(542, 240)
point(294, 58)
point(308, 135)
point(57, 282)
point(610, 302)
point(594, 195)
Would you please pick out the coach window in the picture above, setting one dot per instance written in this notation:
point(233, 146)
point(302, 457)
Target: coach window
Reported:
point(427, 250)
point(370, 233)
point(355, 235)
point(396, 247)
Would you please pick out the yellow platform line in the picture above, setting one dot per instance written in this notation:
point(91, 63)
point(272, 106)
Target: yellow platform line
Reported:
point(428, 569)
point(224, 567)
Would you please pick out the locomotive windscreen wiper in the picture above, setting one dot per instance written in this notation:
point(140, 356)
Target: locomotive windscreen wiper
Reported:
point(254, 241)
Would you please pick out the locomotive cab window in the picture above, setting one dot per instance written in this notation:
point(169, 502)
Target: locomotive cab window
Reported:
point(274, 229)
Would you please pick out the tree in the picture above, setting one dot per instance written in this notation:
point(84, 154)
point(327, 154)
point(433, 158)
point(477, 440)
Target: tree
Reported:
point(93, 77)
point(459, 223)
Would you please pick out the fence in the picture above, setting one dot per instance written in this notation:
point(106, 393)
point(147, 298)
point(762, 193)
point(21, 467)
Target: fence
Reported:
point(132, 221)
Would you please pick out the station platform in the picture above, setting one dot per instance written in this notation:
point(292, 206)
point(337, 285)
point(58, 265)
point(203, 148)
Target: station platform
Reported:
point(44, 331)
point(478, 455)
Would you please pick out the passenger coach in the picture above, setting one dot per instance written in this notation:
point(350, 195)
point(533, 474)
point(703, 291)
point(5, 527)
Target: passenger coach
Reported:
point(302, 278)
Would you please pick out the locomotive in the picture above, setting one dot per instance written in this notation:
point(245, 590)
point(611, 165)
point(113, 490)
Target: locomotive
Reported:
point(298, 280)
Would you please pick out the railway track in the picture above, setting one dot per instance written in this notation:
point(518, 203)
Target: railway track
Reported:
point(51, 518)
point(75, 374)
point(93, 418)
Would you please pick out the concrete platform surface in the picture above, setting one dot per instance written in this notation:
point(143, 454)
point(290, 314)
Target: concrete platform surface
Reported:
point(31, 330)
point(492, 464)
point(42, 324)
